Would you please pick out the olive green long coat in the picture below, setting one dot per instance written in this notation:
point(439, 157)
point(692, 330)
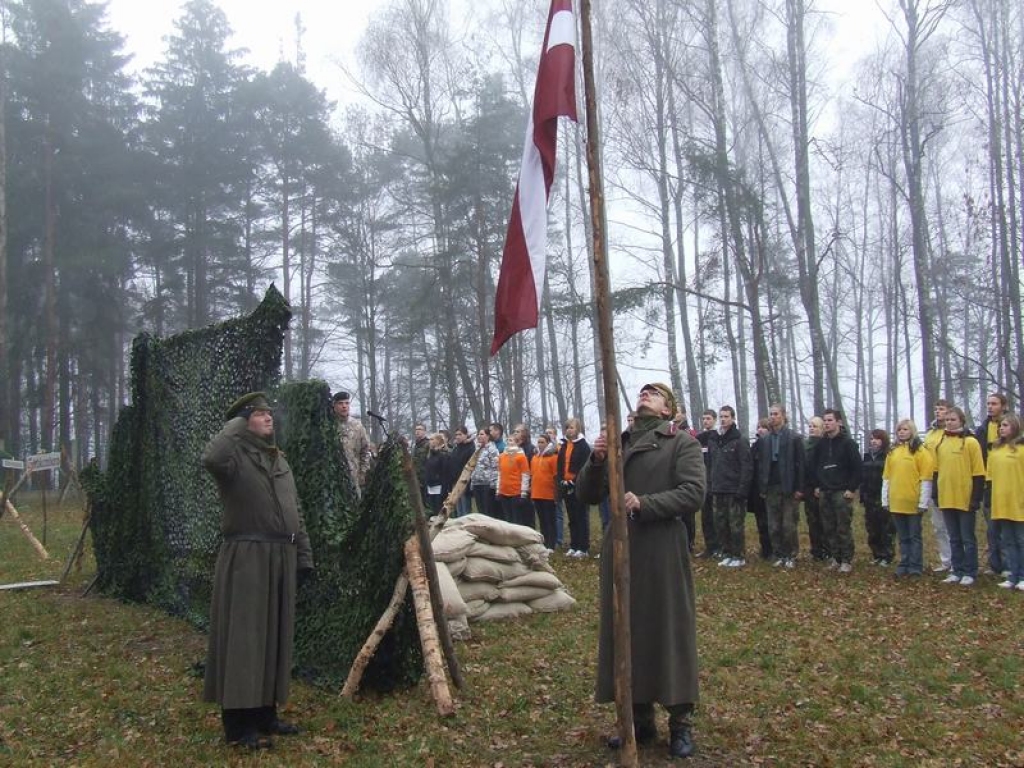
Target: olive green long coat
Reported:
point(666, 470)
point(252, 613)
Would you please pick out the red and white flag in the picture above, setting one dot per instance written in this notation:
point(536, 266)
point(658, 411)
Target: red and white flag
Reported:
point(521, 280)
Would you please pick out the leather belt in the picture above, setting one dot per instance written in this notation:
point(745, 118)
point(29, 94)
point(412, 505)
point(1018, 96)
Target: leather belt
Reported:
point(265, 538)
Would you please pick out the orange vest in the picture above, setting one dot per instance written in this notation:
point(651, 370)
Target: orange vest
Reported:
point(511, 468)
point(543, 477)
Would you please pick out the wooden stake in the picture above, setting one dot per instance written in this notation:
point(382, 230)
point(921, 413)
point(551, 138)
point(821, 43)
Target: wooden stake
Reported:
point(76, 553)
point(428, 629)
point(28, 533)
point(355, 674)
point(623, 672)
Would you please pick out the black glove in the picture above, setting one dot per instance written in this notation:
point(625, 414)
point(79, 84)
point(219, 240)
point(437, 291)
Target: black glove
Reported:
point(303, 575)
point(568, 487)
point(977, 493)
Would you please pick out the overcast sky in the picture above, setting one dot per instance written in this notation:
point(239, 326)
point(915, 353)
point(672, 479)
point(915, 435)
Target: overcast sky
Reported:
point(334, 27)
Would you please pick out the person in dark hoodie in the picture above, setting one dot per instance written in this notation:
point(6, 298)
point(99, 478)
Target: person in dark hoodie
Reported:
point(455, 462)
point(708, 439)
point(730, 481)
point(835, 470)
point(572, 455)
point(878, 522)
point(780, 477)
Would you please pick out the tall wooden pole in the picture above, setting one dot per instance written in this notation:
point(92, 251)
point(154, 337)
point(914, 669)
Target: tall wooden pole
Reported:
point(620, 533)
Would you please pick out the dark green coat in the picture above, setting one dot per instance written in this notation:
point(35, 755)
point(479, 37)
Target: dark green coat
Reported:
point(252, 613)
point(666, 470)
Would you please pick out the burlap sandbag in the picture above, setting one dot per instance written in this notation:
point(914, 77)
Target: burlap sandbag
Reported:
point(504, 611)
point(476, 608)
point(452, 544)
point(522, 594)
point(477, 590)
point(559, 600)
point(456, 567)
point(458, 628)
point(534, 579)
point(454, 605)
point(481, 569)
point(535, 556)
point(495, 531)
point(494, 552)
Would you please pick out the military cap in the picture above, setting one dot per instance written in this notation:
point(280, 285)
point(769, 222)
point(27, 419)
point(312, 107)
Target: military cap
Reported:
point(665, 391)
point(341, 397)
point(246, 404)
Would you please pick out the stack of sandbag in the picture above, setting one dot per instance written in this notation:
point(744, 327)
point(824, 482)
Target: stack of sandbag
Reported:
point(489, 569)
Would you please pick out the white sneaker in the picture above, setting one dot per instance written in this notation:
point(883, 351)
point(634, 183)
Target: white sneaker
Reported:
point(790, 563)
point(966, 581)
point(738, 562)
point(778, 563)
point(941, 568)
point(725, 563)
point(846, 568)
point(1007, 584)
point(1020, 586)
point(570, 553)
point(951, 579)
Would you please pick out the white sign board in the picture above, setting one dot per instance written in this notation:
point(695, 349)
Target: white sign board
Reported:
point(12, 464)
point(41, 462)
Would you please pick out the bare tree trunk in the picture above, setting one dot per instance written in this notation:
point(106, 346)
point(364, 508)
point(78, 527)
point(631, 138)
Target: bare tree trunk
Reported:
point(50, 319)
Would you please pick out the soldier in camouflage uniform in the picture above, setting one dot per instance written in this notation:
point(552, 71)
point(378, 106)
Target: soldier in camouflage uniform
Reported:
point(354, 441)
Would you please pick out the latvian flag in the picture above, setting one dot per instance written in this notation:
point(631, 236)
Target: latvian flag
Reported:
point(521, 281)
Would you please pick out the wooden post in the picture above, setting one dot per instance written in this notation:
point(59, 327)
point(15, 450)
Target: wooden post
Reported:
point(432, 658)
point(430, 568)
point(28, 533)
point(623, 672)
point(76, 553)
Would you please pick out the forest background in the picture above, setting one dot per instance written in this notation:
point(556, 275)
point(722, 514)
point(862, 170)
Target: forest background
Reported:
point(782, 226)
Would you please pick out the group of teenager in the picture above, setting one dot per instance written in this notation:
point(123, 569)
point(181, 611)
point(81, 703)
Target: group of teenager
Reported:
point(949, 473)
point(514, 479)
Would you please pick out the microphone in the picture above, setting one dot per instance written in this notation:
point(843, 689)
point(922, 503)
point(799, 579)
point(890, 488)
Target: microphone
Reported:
point(376, 416)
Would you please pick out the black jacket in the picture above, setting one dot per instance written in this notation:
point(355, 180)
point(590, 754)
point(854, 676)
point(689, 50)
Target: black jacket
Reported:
point(708, 440)
point(731, 466)
point(455, 460)
point(790, 463)
point(580, 454)
point(834, 464)
point(871, 476)
point(981, 433)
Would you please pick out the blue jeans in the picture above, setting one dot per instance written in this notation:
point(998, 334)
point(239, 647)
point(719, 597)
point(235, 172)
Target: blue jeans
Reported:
point(911, 556)
point(963, 542)
point(465, 504)
point(1012, 533)
point(994, 539)
point(606, 513)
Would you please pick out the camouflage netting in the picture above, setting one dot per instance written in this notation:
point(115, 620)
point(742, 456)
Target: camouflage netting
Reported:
point(156, 515)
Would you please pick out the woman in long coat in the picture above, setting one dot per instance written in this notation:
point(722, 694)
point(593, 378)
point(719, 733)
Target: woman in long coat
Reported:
point(664, 480)
point(265, 547)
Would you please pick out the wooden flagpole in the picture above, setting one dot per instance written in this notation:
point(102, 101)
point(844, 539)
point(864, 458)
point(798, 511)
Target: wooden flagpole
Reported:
point(620, 533)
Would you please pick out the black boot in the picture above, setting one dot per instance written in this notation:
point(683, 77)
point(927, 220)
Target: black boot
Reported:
point(241, 729)
point(644, 730)
point(680, 742)
point(680, 739)
point(269, 724)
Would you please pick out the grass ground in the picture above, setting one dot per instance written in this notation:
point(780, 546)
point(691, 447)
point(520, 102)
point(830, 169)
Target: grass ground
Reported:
point(799, 668)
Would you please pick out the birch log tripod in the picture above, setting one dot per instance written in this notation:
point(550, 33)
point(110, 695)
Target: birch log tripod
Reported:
point(421, 574)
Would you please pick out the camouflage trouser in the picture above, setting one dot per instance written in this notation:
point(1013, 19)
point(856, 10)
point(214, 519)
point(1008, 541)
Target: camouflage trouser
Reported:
point(783, 517)
point(730, 519)
point(836, 519)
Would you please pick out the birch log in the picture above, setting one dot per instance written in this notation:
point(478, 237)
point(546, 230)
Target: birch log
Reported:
point(355, 674)
point(429, 641)
point(28, 533)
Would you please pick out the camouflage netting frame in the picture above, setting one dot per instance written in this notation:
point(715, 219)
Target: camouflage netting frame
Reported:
point(156, 516)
